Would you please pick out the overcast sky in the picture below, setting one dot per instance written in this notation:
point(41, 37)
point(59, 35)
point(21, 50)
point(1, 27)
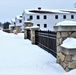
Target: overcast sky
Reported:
point(11, 8)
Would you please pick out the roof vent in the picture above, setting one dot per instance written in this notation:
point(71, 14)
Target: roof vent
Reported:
point(39, 8)
point(20, 16)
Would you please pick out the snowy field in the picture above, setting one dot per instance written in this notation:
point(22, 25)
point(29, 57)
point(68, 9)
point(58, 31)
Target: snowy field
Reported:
point(19, 56)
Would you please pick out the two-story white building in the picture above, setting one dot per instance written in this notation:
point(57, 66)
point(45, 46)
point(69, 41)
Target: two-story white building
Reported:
point(46, 19)
point(18, 21)
point(13, 22)
point(12, 26)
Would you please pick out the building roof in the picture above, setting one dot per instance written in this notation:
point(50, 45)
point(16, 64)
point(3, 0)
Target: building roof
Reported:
point(11, 26)
point(69, 11)
point(13, 20)
point(44, 11)
point(19, 17)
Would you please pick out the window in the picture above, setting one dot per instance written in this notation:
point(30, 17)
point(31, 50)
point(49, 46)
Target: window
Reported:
point(56, 16)
point(14, 23)
point(45, 25)
point(38, 17)
point(20, 21)
point(20, 16)
point(31, 17)
point(45, 17)
point(38, 25)
point(64, 16)
point(72, 16)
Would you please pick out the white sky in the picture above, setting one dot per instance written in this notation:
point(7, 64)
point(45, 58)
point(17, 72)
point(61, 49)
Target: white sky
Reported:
point(10, 8)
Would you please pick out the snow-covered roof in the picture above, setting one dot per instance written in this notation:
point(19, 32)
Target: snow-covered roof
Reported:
point(11, 25)
point(66, 23)
point(69, 43)
point(13, 20)
point(70, 11)
point(50, 11)
point(19, 17)
point(46, 11)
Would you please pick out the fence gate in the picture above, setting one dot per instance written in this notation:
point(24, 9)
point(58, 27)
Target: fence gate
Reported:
point(47, 41)
point(29, 34)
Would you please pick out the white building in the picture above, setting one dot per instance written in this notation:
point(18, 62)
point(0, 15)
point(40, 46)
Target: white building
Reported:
point(46, 19)
point(12, 24)
point(18, 21)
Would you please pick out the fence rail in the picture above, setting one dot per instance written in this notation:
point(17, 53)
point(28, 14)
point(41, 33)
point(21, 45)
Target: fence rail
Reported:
point(46, 40)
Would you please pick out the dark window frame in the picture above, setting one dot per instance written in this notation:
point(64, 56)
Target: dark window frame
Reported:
point(72, 16)
point(45, 17)
point(31, 17)
point(20, 21)
point(45, 25)
point(38, 25)
point(14, 23)
point(64, 16)
point(38, 17)
point(56, 16)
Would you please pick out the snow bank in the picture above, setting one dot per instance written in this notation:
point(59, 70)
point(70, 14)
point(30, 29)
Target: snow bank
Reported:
point(19, 56)
point(72, 72)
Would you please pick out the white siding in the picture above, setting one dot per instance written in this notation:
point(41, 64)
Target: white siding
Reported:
point(50, 21)
point(18, 22)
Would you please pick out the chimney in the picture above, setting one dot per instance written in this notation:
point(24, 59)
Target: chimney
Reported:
point(39, 8)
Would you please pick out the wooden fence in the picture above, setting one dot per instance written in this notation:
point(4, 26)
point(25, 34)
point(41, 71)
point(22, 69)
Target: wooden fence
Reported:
point(47, 41)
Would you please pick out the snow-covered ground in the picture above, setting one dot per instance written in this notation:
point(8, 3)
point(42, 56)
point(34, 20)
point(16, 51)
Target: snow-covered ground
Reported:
point(19, 56)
